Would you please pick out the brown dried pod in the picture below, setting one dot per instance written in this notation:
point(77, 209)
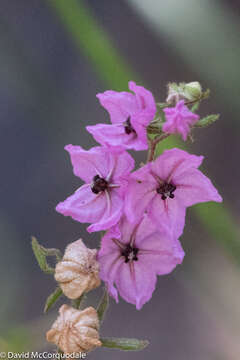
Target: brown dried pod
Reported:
point(75, 331)
point(78, 271)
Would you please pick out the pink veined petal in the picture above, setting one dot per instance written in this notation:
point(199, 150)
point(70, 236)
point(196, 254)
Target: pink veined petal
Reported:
point(137, 199)
point(145, 228)
point(174, 162)
point(109, 266)
point(112, 214)
point(144, 97)
point(87, 164)
point(84, 205)
point(121, 166)
point(127, 229)
point(120, 105)
point(141, 130)
point(161, 251)
point(194, 187)
point(113, 135)
point(109, 259)
point(136, 283)
point(169, 213)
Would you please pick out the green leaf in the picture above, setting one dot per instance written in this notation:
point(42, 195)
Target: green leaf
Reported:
point(103, 305)
point(40, 255)
point(124, 344)
point(195, 106)
point(208, 120)
point(52, 298)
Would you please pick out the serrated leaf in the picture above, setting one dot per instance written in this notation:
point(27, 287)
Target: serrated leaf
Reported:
point(52, 298)
point(124, 344)
point(41, 257)
point(103, 305)
point(208, 120)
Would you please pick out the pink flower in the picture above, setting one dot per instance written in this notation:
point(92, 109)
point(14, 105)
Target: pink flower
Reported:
point(100, 200)
point(130, 115)
point(166, 187)
point(179, 119)
point(131, 256)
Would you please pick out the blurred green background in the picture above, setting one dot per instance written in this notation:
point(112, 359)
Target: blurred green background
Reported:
point(55, 56)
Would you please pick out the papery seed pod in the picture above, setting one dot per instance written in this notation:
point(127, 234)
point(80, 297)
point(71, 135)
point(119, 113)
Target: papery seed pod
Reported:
point(78, 272)
point(75, 331)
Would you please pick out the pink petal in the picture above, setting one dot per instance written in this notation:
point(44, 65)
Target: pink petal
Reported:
point(84, 205)
point(112, 213)
point(135, 283)
point(113, 135)
point(179, 119)
point(145, 100)
point(159, 249)
point(120, 105)
point(169, 213)
point(87, 164)
point(137, 199)
point(121, 165)
point(193, 187)
point(109, 259)
point(174, 162)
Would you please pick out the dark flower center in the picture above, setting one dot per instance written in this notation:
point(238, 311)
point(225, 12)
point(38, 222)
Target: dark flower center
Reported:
point(128, 127)
point(130, 253)
point(99, 184)
point(166, 190)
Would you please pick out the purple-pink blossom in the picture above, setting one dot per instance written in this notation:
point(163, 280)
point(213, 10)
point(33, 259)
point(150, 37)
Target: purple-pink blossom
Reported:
point(99, 201)
point(179, 119)
point(131, 256)
point(130, 115)
point(166, 187)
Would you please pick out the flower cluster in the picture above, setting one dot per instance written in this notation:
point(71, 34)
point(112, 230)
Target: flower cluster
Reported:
point(142, 211)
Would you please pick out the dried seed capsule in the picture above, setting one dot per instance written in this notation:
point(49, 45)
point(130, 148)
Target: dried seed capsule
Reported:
point(78, 272)
point(75, 331)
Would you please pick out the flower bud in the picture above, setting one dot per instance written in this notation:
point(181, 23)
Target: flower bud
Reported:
point(78, 271)
point(189, 92)
point(75, 331)
point(193, 90)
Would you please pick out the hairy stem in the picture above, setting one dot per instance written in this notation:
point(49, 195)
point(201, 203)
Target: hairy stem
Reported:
point(152, 146)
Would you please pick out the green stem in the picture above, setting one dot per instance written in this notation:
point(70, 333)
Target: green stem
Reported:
point(153, 144)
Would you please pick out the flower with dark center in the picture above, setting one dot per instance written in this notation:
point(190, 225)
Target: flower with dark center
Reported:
point(99, 184)
point(132, 255)
point(128, 127)
point(166, 190)
point(130, 114)
point(100, 200)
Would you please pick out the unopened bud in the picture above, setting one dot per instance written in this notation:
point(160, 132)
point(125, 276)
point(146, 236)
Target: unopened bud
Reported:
point(193, 91)
point(78, 271)
point(75, 331)
point(189, 92)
